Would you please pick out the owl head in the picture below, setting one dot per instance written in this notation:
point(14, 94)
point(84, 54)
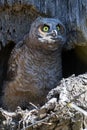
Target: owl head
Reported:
point(47, 33)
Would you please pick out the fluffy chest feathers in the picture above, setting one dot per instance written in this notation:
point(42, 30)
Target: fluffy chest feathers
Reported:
point(42, 71)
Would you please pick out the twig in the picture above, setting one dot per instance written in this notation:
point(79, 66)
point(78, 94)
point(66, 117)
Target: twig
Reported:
point(40, 122)
point(72, 105)
point(33, 105)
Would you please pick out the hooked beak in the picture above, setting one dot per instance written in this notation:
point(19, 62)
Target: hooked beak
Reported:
point(53, 33)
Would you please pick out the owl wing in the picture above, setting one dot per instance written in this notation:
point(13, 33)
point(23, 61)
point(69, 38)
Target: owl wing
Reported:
point(14, 61)
point(12, 67)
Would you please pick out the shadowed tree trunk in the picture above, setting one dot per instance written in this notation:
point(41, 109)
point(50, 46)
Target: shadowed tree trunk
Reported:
point(16, 17)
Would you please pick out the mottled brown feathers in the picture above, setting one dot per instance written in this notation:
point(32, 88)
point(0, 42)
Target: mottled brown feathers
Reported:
point(35, 66)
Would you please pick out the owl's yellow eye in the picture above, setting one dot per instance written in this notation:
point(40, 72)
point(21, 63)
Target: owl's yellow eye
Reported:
point(45, 28)
point(58, 27)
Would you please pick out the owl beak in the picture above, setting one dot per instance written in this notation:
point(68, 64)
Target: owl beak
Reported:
point(54, 33)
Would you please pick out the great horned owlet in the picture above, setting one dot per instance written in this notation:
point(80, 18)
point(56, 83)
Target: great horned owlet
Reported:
point(35, 64)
